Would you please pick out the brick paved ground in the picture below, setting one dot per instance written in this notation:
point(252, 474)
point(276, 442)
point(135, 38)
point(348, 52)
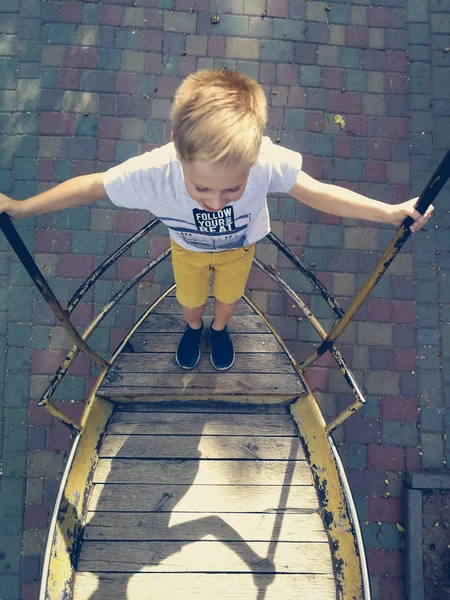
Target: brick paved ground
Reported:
point(84, 85)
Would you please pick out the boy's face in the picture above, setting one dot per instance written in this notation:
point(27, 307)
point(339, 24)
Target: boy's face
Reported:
point(212, 186)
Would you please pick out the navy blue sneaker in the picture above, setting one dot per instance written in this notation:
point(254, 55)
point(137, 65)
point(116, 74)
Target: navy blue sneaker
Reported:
point(188, 351)
point(222, 353)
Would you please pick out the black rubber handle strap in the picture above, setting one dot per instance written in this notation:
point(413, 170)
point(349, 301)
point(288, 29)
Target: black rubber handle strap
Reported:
point(18, 246)
point(432, 189)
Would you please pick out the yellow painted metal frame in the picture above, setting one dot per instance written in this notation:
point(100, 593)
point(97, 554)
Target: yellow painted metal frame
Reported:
point(68, 522)
point(348, 564)
point(67, 525)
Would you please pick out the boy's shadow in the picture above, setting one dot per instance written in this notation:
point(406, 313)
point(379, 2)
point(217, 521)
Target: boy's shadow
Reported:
point(187, 532)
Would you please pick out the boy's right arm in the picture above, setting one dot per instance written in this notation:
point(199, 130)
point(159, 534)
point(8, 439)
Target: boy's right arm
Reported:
point(74, 192)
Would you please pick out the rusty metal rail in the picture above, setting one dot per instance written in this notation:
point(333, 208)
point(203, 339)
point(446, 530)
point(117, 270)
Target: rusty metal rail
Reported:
point(428, 195)
point(62, 314)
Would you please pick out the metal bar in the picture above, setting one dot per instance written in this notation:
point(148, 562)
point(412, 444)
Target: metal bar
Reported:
point(124, 290)
point(73, 352)
point(346, 372)
point(284, 286)
point(86, 285)
point(431, 190)
point(139, 322)
point(329, 298)
point(348, 376)
point(343, 416)
point(274, 331)
point(70, 423)
point(28, 262)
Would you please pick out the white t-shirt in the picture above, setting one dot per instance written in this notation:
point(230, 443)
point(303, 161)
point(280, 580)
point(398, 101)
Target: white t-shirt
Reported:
point(154, 181)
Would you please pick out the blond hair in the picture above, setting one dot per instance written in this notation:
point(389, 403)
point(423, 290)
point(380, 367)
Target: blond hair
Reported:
point(218, 116)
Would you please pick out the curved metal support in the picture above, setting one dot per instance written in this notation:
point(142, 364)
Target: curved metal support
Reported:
point(72, 354)
point(284, 286)
point(139, 322)
point(353, 516)
point(86, 285)
point(329, 298)
point(346, 372)
point(275, 333)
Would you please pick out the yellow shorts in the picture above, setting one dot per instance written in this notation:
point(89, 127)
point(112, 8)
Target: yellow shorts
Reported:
point(192, 272)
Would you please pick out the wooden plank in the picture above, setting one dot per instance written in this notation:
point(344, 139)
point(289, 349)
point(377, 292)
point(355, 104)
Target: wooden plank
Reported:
point(209, 407)
point(226, 383)
point(205, 556)
point(188, 424)
point(179, 526)
point(203, 498)
point(171, 306)
point(164, 362)
point(235, 472)
point(160, 323)
point(150, 586)
point(122, 396)
point(201, 447)
point(168, 342)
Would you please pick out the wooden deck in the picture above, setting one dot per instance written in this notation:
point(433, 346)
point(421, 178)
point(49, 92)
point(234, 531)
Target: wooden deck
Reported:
point(203, 500)
point(261, 372)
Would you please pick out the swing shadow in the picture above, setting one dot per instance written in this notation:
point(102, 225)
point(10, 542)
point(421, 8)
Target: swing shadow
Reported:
point(182, 534)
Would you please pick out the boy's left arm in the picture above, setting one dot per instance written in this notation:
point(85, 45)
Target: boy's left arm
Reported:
point(341, 202)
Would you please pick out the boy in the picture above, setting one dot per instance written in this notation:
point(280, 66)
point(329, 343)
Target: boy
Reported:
point(209, 187)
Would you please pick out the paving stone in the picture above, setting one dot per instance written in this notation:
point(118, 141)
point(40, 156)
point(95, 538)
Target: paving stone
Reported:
point(34, 542)
point(357, 456)
point(10, 551)
point(91, 14)
point(440, 23)
point(14, 463)
point(12, 488)
point(80, 102)
point(277, 51)
point(251, 69)
point(323, 145)
point(45, 464)
point(288, 30)
point(9, 587)
point(29, 51)
point(328, 56)
point(325, 236)
point(432, 446)
point(337, 35)
point(398, 433)
point(382, 382)
point(58, 33)
point(80, 148)
point(391, 537)
point(132, 61)
point(431, 420)
point(12, 7)
point(88, 242)
point(242, 48)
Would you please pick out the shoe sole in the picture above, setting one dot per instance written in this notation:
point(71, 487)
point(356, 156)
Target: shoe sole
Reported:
point(222, 368)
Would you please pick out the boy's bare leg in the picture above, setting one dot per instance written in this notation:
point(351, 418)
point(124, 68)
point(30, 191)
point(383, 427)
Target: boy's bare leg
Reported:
point(193, 316)
point(222, 314)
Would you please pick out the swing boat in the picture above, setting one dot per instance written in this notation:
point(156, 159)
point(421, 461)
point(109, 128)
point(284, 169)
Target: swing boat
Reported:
point(205, 483)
